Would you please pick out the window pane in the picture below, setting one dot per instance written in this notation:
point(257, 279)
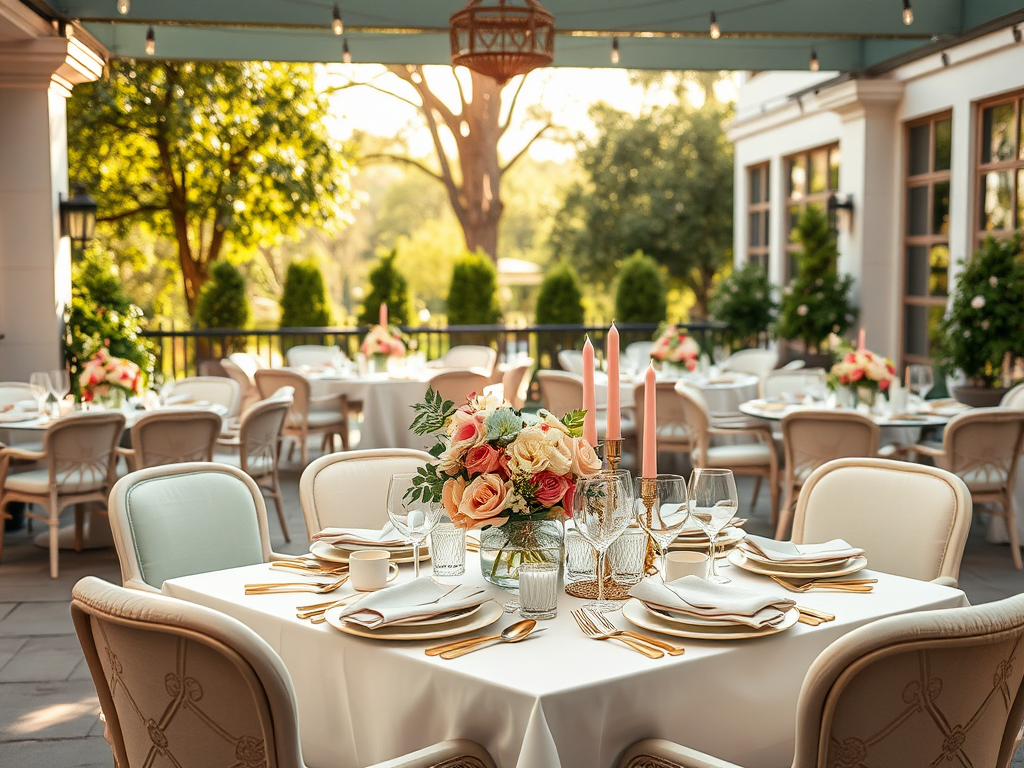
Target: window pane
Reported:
point(819, 170)
point(939, 262)
point(943, 144)
point(755, 230)
point(997, 139)
point(797, 177)
point(995, 200)
point(834, 158)
point(767, 225)
point(917, 270)
point(940, 209)
point(917, 211)
point(794, 219)
point(921, 323)
point(1020, 198)
point(919, 149)
point(755, 185)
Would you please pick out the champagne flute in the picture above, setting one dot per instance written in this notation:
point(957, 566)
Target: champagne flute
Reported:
point(668, 511)
point(713, 503)
point(414, 519)
point(602, 507)
point(39, 383)
point(60, 385)
point(922, 379)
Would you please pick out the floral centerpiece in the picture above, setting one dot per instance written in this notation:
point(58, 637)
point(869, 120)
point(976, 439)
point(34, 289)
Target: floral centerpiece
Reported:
point(382, 342)
point(512, 474)
point(676, 348)
point(105, 378)
point(861, 371)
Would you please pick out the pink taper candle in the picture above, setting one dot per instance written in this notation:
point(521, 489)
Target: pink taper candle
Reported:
point(650, 455)
point(611, 352)
point(589, 401)
point(860, 341)
point(384, 314)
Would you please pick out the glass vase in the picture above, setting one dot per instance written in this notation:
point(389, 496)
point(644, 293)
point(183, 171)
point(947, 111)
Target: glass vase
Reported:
point(111, 399)
point(504, 548)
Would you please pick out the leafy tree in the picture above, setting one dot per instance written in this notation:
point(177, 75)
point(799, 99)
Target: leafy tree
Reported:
point(744, 300)
point(387, 286)
point(817, 300)
point(560, 300)
point(473, 295)
point(223, 303)
point(640, 296)
point(209, 154)
point(101, 314)
point(304, 303)
point(660, 183)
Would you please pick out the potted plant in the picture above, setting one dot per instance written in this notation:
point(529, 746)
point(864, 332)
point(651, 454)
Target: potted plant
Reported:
point(743, 300)
point(816, 303)
point(983, 330)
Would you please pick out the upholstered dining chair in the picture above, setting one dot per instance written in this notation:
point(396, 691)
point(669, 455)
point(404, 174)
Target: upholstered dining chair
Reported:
point(814, 437)
point(465, 356)
point(757, 457)
point(983, 447)
point(927, 688)
point(571, 360)
point(325, 415)
point(12, 392)
point(759, 362)
point(219, 390)
point(910, 519)
point(172, 437)
point(515, 382)
point(257, 444)
point(79, 456)
point(314, 355)
point(792, 382)
point(457, 386)
point(185, 685)
point(248, 362)
point(1014, 398)
point(181, 519)
point(351, 489)
point(637, 356)
point(245, 381)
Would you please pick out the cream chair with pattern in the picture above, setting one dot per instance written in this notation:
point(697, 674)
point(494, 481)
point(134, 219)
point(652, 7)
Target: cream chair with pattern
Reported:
point(172, 437)
point(325, 415)
point(457, 386)
point(515, 382)
point(911, 520)
point(923, 689)
point(183, 685)
point(218, 390)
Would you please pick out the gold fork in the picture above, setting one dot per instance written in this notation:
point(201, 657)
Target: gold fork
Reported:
point(319, 587)
point(834, 586)
point(602, 623)
point(594, 633)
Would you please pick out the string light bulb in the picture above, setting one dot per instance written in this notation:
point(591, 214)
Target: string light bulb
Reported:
point(336, 23)
point(346, 55)
point(615, 50)
point(150, 42)
point(815, 64)
point(908, 13)
point(123, 6)
point(716, 31)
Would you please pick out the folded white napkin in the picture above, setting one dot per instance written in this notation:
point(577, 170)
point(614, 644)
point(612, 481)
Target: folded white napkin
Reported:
point(386, 537)
point(694, 596)
point(788, 552)
point(418, 599)
point(178, 399)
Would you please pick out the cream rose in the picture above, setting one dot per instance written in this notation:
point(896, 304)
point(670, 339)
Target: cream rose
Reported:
point(584, 458)
point(546, 418)
point(560, 451)
point(451, 495)
point(529, 453)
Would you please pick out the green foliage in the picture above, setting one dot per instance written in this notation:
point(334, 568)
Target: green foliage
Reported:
point(223, 303)
point(640, 296)
point(573, 421)
point(101, 314)
point(560, 300)
point(817, 300)
point(744, 300)
point(985, 321)
point(473, 295)
point(387, 285)
point(432, 414)
point(660, 183)
point(304, 303)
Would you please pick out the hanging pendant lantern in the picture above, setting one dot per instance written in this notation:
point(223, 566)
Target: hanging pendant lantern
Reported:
point(502, 40)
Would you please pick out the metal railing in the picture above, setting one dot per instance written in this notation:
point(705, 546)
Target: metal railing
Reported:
point(180, 351)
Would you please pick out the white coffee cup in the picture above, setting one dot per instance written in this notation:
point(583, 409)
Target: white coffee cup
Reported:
point(680, 564)
point(368, 569)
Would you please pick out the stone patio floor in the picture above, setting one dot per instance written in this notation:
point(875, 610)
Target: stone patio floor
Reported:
point(48, 706)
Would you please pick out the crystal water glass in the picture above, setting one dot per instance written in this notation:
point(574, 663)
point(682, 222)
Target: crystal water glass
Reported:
point(413, 518)
point(60, 386)
point(602, 507)
point(627, 555)
point(580, 558)
point(667, 512)
point(538, 590)
point(713, 503)
point(448, 550)
point(39, 383)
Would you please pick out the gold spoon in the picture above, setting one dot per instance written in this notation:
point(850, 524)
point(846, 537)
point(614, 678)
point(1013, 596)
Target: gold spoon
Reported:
point(511, 634)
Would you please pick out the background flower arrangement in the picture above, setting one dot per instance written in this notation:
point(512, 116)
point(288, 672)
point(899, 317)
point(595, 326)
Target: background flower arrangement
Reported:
point(103, 375)
point(674, 346)
point(385, 341)
point(859, 369)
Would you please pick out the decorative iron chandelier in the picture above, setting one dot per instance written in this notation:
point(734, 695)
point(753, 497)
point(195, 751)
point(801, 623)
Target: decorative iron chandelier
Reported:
point(502, 40)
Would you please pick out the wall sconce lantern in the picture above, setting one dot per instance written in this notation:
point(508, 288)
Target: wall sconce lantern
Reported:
point(835, 205)
point(78, 216)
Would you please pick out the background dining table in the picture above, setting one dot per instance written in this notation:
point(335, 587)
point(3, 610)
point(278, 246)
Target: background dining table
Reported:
point(556, 700)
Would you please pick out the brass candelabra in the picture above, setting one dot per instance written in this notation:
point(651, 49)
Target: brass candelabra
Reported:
point(613, 452)
point(649, 497)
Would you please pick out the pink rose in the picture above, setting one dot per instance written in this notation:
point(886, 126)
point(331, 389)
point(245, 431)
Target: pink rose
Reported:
point(584, 458)
point(549, 488)
point(857, 374)
point(567, 500)
point(451, 496)
point(484, 498)
point(482, 459)
point(884, 384)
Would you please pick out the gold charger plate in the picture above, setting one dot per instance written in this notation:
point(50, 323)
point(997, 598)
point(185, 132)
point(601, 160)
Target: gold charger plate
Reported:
point(854, 564)
point(489, 613)
point(635, 613)
point(321, 550)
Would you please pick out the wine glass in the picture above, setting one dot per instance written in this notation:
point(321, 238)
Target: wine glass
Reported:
point(713, 503)
point(601, 510)
point(39, 383)
point(414, 519)
point(60, 385)
point(922, 379)
point(661, 510)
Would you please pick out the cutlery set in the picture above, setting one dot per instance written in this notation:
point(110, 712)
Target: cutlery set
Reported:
point(830, 585)
point(813, 617)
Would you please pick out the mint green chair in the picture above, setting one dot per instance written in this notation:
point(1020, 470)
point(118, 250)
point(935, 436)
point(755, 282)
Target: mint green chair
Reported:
point(181, 519)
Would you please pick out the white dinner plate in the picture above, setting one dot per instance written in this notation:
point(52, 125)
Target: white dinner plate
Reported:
point(12, 416)
point(321, 550)
point(489, 613)
point(854, 564)
point(635, 613)
point(688, 620)
point(727, 538)
point(766, 562)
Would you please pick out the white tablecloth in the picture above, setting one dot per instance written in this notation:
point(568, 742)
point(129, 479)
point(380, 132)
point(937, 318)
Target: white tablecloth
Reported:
point(557, 700)
point(722, 399)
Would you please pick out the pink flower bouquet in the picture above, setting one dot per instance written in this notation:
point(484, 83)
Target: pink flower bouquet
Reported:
point(861, 368)
point(675, 346)
point(104, 374)
point(383, 340)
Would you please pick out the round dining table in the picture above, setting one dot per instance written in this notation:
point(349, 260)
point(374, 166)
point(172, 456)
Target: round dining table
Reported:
point(776, 409)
